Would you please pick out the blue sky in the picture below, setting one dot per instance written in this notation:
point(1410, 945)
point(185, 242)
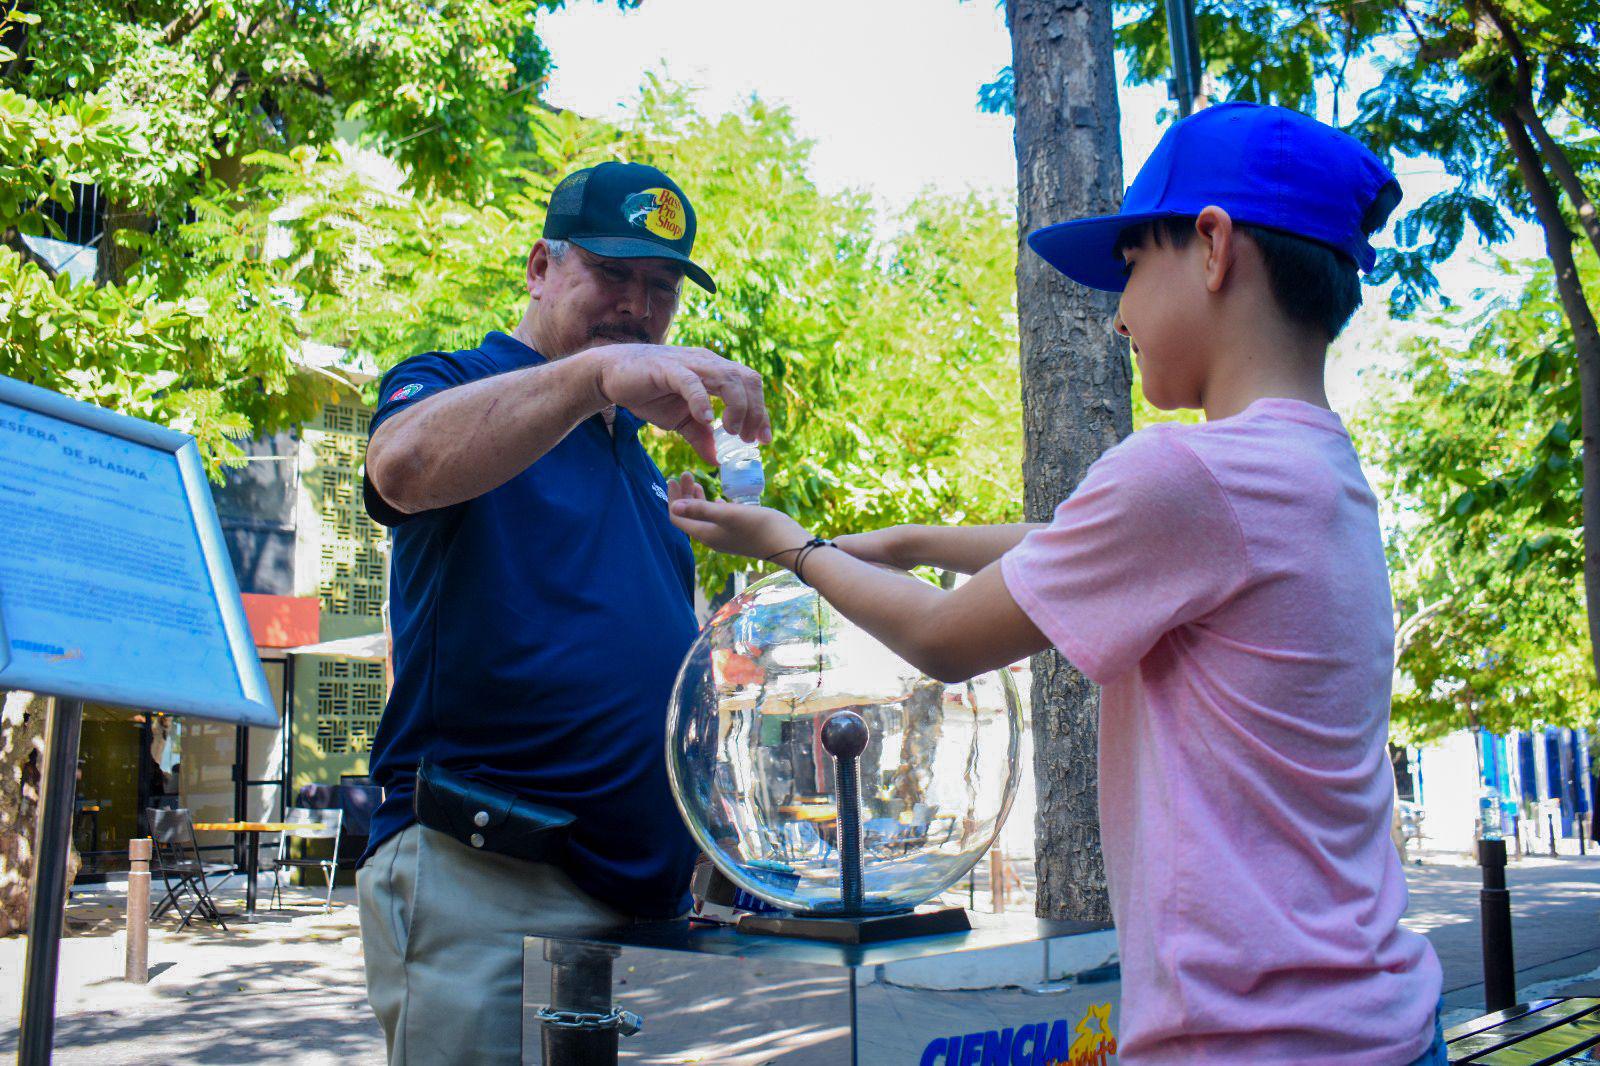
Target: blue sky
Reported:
point(888, 89)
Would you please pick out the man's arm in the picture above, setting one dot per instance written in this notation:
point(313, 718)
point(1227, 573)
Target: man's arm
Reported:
point(963, 549)
point(475, 437)
point(472, 438)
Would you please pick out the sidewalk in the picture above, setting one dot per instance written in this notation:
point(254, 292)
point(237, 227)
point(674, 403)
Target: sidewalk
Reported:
point(1555, 925)
point(289, 988)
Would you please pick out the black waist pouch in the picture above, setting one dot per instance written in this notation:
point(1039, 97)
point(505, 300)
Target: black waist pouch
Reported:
point(487, 818)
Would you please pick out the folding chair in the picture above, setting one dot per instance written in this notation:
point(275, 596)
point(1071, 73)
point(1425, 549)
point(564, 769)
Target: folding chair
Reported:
point(309, 825)
point(177, 859)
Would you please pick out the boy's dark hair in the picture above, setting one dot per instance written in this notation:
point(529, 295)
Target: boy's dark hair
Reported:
point(1313, 284)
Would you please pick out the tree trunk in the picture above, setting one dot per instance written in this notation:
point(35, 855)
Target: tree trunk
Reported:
point(23, 719)
point(113, 259)
point(1565, 173)
point(1076, 382)
point(1586, 338)
point(1527, 110)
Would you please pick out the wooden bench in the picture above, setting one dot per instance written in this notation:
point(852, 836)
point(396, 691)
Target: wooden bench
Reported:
point(1530, 1034)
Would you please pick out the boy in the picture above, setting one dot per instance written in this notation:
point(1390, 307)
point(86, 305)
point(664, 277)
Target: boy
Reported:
point(1225, 584)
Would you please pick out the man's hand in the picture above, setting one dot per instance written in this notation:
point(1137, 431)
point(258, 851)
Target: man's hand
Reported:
point(672, 387)
point(884, 546)
point(735, 528)
point(684, 487)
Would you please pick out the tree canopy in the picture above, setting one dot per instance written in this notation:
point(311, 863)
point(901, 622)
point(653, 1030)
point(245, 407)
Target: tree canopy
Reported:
point(1472, 443)
point(161, 106)
point(887, 344)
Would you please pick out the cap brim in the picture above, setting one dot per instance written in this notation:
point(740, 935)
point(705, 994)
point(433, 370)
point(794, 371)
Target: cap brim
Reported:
point(639, 248)
point(1085, 249)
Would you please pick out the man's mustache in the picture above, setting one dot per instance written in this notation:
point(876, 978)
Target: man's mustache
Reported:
point(624, 329)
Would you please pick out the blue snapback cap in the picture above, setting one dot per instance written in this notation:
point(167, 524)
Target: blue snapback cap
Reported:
point(1264, 165)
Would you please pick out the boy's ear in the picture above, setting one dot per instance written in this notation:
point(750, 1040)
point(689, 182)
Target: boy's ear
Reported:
point(1219, 240)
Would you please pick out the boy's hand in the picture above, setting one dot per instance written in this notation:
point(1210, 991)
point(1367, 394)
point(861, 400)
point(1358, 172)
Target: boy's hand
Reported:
point(881, 546)
point(735, 528)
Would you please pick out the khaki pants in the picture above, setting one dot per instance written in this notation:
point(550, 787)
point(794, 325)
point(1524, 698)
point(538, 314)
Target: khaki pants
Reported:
point(442, 927)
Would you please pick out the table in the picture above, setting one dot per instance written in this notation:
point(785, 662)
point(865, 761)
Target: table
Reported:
point(810, 812)
point(92, 869)
point(252, 856)
point(801, 1002)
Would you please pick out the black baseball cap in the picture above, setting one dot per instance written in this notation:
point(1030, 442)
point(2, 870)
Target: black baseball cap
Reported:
point(626, 211)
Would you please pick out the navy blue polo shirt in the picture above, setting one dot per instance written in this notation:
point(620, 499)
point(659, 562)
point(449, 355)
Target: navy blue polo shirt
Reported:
point(537, 632)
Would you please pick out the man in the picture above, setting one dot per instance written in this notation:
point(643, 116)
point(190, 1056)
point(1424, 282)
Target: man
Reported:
point(541, 604)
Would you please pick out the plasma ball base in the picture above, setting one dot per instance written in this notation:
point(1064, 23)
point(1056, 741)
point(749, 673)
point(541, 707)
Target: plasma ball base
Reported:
point(865, 929)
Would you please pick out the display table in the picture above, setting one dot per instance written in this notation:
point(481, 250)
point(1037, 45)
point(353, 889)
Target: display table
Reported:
point(1013, 990)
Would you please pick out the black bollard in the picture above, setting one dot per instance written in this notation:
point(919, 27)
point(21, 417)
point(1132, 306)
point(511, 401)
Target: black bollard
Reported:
point(844, 735)
point(1499, 969)
point(580, 994)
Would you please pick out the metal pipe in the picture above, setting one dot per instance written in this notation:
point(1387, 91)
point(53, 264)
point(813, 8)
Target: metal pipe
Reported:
point(848, 769)
point(1186, 69)
point(52, 844)
point(1499, 969)
point(580, 982)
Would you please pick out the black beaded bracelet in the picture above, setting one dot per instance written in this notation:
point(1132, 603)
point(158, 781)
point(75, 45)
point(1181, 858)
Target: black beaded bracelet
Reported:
point(804, 550)
point(810, 546)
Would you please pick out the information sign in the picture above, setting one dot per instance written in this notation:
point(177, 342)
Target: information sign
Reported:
point(115, 584)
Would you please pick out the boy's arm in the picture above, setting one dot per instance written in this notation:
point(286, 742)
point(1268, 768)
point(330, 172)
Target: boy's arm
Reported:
point(963, 549)
point(950, 635)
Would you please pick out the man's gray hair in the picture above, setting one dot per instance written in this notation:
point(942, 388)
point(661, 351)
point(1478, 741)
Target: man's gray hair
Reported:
point(556, 250)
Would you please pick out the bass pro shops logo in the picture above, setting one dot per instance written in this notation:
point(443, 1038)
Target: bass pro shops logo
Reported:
point(657, 210)
point(1090, 1043)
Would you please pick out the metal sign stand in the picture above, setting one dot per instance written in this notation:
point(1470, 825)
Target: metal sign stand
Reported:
point(53, 841)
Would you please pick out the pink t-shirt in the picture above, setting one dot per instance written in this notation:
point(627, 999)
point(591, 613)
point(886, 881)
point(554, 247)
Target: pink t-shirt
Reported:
point(1226, 585)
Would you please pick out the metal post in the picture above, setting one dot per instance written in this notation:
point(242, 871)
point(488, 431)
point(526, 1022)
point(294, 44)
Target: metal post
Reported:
point(1499, 969)
point(1186, 69)
point(580, 983)
point(844, 736)
point(49, 895)
point(241, 776)
point(137, 966)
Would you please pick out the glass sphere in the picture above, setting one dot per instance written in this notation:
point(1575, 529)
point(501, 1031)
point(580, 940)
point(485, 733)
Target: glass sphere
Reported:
point(759, 792)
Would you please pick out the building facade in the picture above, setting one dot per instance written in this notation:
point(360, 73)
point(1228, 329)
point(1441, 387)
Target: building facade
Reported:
point(313, 571)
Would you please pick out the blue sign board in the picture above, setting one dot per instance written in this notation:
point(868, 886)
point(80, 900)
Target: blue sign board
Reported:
point(115, 584)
